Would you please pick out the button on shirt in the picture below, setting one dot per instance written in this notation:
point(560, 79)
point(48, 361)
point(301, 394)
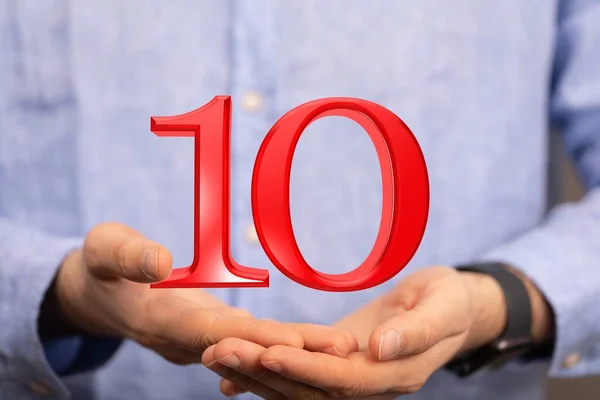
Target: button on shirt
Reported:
point(477, 82)
point(250, 234)
point(571, 360)
point(40, 389)
point(252, 101)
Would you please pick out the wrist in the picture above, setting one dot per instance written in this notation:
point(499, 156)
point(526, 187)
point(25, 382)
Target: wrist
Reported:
point(542, 316)
point(510, 318)
point(488, 309)
point(53, 321)
point(77, 300)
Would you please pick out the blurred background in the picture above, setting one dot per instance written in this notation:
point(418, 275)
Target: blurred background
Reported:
point(565, 186)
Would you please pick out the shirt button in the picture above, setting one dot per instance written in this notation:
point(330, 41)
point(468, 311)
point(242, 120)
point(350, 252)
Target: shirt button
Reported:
point(39, 389)
point(252, 101)
point(251, 235)
point(571, 360)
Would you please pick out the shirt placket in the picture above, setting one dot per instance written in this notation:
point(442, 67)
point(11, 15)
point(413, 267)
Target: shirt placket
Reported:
point(252, 91)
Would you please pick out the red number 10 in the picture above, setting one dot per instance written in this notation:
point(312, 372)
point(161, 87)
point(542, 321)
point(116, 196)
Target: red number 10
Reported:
point(404, 212)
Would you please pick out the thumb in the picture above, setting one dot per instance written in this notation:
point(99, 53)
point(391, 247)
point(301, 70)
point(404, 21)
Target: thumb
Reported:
point(114, 250)
point(414, 331)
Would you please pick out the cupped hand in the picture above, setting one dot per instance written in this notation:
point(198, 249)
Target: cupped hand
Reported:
point(104, 289)
point(404, 337)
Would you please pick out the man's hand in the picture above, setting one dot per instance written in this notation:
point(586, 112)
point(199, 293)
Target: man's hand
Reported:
point(104, 289)
point(404, 337)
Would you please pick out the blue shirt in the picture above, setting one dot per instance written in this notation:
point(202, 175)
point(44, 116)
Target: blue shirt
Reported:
point(479, 84)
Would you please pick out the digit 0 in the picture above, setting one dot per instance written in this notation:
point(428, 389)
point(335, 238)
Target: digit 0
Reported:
point(404, 212)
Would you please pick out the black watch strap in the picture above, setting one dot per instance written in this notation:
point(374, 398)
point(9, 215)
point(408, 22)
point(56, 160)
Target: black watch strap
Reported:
point(516, 337)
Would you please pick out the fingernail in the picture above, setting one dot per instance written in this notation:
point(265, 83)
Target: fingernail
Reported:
point(334, 351)
point(150, 263)
point(231, 361)
point(273, 366)
point(389, 344)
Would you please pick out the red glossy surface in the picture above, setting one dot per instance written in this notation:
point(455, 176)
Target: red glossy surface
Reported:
point(405, 203)
point(212, 266)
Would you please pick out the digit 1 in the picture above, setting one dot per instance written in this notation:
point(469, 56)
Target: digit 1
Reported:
point(212, 266)
point(405, 194)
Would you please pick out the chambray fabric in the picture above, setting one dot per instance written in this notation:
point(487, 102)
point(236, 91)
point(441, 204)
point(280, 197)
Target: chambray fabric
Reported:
point(479, 84)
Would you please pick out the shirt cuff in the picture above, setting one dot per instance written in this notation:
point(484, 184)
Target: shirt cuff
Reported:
point(61, 353)
point(76, 354)
point(30, 260)
point(560, 257)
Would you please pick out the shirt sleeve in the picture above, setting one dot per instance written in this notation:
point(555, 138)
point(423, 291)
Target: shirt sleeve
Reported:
point(562, 256)
point(29, 260)
point(81, 353)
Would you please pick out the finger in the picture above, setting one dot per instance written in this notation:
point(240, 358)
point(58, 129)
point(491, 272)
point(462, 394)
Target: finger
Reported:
point(441, 313)
point(244, 357)
point(354, 376)
point(113, 250)
point(229, 388)
point(326, 339)
point(334, 375)
point(246, 384)
point(241, 381)
point(194, 329)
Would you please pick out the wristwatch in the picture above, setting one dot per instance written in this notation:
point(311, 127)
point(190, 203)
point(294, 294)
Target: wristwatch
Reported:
point(516, 338)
